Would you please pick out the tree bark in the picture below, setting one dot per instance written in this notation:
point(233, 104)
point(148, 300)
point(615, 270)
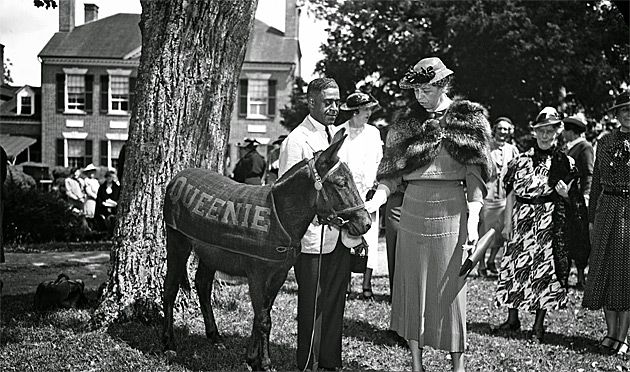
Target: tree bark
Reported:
point(192, 53)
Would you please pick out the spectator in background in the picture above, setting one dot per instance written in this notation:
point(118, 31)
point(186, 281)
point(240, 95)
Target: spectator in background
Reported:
point(274, 164)
point(362, 152)
point(578, 148)
point(493, 211)
point(74, 189)
point(534, 270)
point(107, 203)
point(608, 284)
point(251, 165)
point(91, 189)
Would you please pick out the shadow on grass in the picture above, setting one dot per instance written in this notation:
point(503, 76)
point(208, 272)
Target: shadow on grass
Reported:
point(572, 342)
point(194, 351)
point(363, 330)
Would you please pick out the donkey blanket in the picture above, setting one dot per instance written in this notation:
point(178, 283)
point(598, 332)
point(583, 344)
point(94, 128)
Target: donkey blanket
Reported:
point(218, 211)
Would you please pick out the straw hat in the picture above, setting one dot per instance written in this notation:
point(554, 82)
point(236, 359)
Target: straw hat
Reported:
point(547, 116)
point(357, 101)
point(426, 71)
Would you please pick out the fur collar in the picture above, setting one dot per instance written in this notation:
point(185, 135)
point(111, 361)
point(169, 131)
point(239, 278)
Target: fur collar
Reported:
point(412, 144)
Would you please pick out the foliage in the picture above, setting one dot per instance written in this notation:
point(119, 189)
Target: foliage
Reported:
point(7, 64)
point(33, 216)
point(511, 56)
point(18, 179)
point(62, 340)
point(45, 3)
point(297, 109)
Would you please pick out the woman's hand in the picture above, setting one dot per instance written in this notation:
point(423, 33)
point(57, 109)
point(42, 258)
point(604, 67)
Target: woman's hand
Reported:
point(563, 189)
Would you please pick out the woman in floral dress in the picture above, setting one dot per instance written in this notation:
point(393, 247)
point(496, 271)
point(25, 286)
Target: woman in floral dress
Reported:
point(608, 284)
point(534, 268)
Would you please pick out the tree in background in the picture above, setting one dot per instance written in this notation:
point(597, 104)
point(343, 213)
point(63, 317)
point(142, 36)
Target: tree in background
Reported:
point(297, 109)
point(512, 56)
point(192, 53)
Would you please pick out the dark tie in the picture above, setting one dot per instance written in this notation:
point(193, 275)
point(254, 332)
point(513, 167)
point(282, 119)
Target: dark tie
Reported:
point(328, 136)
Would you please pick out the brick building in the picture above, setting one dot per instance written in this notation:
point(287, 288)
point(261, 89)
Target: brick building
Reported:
point(89, 72)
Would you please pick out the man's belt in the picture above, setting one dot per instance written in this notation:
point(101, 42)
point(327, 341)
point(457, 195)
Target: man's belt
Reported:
point(617, 192)
point(535, 200)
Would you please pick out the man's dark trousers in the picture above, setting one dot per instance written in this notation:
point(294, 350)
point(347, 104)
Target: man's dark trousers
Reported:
point(333, 281)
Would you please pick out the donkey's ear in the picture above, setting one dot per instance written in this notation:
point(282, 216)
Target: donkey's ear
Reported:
point(330, 154)
point(339, 136)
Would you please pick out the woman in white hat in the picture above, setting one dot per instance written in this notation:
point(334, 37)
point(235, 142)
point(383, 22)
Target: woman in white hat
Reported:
point(362, 152)
point(608, 284)
point(91, 189)
point(535, 268)
point(436, 151)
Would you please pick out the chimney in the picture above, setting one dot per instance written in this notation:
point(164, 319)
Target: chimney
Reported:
point(91, 12)
point(1, 64)
point(291, 20)
point(66, 15)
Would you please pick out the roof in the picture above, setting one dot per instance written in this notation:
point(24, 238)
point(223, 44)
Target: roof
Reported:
point(111, 37)
point(118, 35)
point(8, 104)
point(14, 145)
point(268, 44)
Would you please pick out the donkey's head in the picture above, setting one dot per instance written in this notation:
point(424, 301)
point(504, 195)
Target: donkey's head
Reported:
point(338, 202)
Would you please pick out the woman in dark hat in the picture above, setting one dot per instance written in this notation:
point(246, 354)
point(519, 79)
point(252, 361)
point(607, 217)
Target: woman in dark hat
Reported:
point(362, 152)
point(434, 151)
point(534, 270)
point(251, 166)
point(608, 284)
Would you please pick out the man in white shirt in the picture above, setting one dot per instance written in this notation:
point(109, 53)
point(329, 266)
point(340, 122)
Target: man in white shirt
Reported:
point(321, 346)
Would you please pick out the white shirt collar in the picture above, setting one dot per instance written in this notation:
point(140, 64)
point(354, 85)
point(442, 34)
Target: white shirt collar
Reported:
point(570, 144)
point(319, 126)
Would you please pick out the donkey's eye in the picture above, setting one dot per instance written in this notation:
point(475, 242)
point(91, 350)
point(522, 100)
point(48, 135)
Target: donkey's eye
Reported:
point(341, 183)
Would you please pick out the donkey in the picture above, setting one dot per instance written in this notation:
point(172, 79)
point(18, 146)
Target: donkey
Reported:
point(245, 238)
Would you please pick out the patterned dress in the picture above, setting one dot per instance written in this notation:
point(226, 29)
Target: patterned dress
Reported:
point(608, 283)
point(527, 278)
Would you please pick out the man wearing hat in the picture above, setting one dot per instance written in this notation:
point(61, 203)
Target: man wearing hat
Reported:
point(251, 166)
point(580, 150)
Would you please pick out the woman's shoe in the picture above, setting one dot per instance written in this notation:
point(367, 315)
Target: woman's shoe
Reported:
point(620, 348)
point(492, 268)
point(606, 344)
point(509, 326)
point(539, 333)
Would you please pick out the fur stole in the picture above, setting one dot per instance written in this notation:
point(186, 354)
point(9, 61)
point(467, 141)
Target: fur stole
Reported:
point(412, 144)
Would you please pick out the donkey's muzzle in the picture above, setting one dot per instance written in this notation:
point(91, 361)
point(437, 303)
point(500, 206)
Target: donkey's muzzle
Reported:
point(359, 222)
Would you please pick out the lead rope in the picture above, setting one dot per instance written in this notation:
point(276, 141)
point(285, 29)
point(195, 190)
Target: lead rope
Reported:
point(310, 346)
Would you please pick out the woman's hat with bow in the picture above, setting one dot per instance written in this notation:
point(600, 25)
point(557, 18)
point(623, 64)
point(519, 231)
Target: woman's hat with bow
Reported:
point(426, 71)
point(547, 116)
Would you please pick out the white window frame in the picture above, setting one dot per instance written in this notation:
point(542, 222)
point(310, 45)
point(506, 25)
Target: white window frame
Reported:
point(73, 72)
point(121, 137)
point(252, 79)
point(71, 136)
point(22, 93)
point(117, 73)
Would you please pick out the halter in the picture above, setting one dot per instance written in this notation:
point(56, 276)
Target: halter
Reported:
point(333, 217)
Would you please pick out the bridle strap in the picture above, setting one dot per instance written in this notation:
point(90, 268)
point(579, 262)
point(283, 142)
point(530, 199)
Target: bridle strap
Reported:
point(333, 218)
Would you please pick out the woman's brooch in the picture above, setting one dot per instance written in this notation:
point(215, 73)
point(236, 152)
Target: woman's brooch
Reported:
point(621, 153)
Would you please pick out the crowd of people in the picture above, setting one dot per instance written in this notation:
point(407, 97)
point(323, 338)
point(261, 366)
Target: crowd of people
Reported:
point(446, 176)
point(92, 200)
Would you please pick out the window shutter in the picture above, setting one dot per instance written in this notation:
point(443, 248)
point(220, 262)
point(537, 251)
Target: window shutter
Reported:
point(89, 88)
point(59, 151)
point(104, 103)
point(271, 100)
point(132, 93)
point(103, 153)
point(242, 98)
point(88, 153)
point(60, 89)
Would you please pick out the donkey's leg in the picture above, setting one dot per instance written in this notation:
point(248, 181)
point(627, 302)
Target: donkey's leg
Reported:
point(178, 249)
point(203, 282)
point(263, 289)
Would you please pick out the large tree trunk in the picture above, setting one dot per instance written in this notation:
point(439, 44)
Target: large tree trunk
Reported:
point(192, 53)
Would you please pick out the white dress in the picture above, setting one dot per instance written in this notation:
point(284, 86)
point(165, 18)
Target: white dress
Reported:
point(362, 151)
point(91, 189)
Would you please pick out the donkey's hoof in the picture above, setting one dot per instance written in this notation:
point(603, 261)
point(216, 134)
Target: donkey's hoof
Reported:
point(170, 354)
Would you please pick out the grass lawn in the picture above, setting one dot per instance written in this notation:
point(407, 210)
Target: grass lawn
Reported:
point(61, 341)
